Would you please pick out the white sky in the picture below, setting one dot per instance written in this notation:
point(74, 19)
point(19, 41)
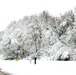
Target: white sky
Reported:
point(16, 9)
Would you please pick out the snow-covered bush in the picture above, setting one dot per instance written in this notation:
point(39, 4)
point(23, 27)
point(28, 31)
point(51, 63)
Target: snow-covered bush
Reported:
point(62, 56)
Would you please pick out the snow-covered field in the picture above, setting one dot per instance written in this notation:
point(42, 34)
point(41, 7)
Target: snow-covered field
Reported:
point(23, 67)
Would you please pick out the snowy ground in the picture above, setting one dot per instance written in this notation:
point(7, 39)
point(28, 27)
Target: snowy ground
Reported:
point(42, 67)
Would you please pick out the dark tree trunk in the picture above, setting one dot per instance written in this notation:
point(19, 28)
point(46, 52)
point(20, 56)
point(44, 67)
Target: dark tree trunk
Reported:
point(35, 60)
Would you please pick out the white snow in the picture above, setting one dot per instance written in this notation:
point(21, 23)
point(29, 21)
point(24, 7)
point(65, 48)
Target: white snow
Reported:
point(23, 67)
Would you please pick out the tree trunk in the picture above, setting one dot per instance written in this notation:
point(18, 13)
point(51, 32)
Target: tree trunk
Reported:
point(35, 60)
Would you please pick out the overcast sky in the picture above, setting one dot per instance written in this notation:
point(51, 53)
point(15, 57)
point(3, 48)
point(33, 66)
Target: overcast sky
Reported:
point(16, 9)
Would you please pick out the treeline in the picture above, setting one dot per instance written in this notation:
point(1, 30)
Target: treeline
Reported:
point(36, 36)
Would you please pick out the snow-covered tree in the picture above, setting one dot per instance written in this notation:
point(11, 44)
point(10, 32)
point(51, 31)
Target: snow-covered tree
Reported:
point(37, 36)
